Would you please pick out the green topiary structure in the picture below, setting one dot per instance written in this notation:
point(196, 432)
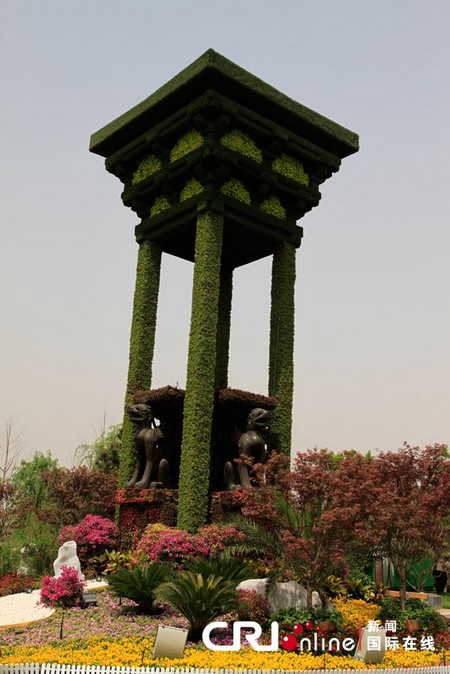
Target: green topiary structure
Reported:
point(147, 167)
point(281, 348)
point(238, 141)
point(142, 343)
point(218, 166)
point(198, 403)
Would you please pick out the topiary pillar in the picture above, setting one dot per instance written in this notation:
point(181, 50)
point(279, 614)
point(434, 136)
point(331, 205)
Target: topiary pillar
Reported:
point(142, 342)
point(223, 328)
point(281, 350)
point(201, 371)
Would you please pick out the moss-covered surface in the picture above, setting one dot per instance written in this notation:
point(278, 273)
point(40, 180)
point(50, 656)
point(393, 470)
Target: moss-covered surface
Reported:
point(213, 71)
point(292, 168)
point(241, 142)
point(160, 204)
point(198, 405)
point(142, 342)
point(273, 206)
point(191, 189)
point(223, 328)
point(235, 189)
point(281, 350)
point(147, 167)
point(189, 142)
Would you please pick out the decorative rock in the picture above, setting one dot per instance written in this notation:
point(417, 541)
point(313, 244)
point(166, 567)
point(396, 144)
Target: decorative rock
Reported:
point(282, 595)
point(24, 569)
point(258, 584)
point(285, 595)
point(67, 556)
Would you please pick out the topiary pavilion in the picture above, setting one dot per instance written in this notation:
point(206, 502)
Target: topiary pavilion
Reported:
point(218, 166)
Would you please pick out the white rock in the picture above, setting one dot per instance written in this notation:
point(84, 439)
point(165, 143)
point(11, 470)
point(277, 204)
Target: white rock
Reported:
point(67, 556)
point(281, 595)
point(258, 584)
point(285, 595)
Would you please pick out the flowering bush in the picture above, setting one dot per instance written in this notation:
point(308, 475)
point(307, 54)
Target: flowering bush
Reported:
point(251, 605)
point(355, 610)
point(167, 544)
point(218, 536)
point(178, 547)
point(65, 591)
point(93, 535)
point(12, 583)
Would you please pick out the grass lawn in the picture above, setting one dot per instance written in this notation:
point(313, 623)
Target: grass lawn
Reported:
point(446, 600)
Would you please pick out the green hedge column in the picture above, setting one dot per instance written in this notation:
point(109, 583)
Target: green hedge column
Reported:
point(223, 328)
point(142, 342)
point(199, 400)
point(281, 354)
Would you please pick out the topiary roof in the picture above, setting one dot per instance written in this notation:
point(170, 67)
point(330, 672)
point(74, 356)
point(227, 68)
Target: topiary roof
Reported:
point(213, 71)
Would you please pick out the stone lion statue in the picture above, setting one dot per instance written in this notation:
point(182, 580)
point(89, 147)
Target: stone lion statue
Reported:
point(152, 469)
point(251, 446)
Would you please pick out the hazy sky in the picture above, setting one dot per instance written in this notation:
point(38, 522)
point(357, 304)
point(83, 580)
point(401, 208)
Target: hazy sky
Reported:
point(373, 308)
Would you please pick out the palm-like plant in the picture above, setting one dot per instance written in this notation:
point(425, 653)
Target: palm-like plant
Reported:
point(229, 568)
point(139, 584)
point(200, 599)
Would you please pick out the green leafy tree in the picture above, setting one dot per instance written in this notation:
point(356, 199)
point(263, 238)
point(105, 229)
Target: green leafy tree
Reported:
point(28, 478)
point(104, 453)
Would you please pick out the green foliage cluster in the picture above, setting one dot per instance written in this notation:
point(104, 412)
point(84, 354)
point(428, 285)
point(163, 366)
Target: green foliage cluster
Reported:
point(229, 568)
point(191, 189)
point(200, 598)
point(235, 189)
point(223, 327)
point(287, 617)
point(199, 400)
point(161, 204)
point(241, 142)
point(142, 342)
point(273, 206)
point(147, 167)
point(281, 349)
point(104, 453)
point(291, 168)
point(186, 144)
point(139, 583)
point(28, 477)
point(415, 609)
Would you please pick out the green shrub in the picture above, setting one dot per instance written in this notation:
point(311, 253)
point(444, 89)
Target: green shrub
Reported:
point(238, 141)
point(415, 609)
point(139, 584)
point(199, 599)
point(235, 189)
point(291, 168)
point(273, 206)
point(186, 144)
point(229, 568)
point(191, 188)
point(161, 204)
point(287, 617)
point(147, 167)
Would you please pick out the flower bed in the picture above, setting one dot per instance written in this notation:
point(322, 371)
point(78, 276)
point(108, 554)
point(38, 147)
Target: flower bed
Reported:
point(118, 635)
point(136, 652)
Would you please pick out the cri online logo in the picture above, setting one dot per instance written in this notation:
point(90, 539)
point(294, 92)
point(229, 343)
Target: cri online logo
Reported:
point(290, 642)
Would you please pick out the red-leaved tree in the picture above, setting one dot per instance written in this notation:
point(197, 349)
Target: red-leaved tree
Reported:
point(411, 508)
point(312, 514)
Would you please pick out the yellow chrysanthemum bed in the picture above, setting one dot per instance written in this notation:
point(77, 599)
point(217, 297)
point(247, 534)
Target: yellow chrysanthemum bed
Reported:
point(137, 653)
